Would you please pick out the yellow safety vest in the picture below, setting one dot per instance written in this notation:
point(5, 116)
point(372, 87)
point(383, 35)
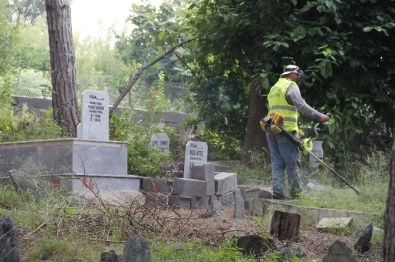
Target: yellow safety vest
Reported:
point(278, 103)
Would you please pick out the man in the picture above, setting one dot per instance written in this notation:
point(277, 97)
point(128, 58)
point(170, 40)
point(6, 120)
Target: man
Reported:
point(285, 99)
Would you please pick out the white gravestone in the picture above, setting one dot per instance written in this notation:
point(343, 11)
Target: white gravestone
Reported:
point(95, 116)
point(161, 141)
point(195, 153)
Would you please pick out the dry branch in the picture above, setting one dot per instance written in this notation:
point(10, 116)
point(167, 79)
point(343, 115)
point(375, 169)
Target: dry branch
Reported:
point(136, 77)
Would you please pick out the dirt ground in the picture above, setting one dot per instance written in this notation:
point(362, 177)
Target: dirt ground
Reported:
point(181, 224)
point(215, 230)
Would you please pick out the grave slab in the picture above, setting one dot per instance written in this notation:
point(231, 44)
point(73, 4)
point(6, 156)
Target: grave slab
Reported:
point(71, 155)
point(227, 198)
point(156, 185)
point(312, 215)
point(205, 172)
point(200, 202)
point(180, 201)
point(334, 222)
point(189, 187)
point(225, 182)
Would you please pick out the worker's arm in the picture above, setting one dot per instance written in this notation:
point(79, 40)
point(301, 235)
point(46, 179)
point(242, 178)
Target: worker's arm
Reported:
point(294, 97)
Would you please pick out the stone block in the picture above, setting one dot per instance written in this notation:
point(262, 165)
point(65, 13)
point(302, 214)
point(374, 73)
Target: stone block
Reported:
point(200, 202)
point(189, 187)
point(258, 207)
point(180, 201)
point(265, 194)
point(68, 155)
point(227, 198)
point(97, 182)
point(225, 182)
point(334, 222)
point(156, 198)
point(239, 205)
point(9, 243)
point(250, 193)
point(205, 172)
point(156, 185)
point(216, 208)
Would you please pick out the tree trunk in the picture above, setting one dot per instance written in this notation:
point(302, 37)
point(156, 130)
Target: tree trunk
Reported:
point(64, 101)
point(255, 138)
point(389, 219)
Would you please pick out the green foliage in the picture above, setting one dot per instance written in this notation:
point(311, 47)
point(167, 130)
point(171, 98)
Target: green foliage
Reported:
point(345, 48)
point(10, 199)
point(352, 131)
point(33, 83)
point(221, 104)
point(256, 172)
point(26, 125)
point(142, 159)
point(99, 67)
point(156, 101)
point(196, 251)
point(8, 38)
point(51, 247)
point(344, 199)
point(221, 146)
point(374, 169)
point(32, 47)
point(27, 11)
point(154, 31)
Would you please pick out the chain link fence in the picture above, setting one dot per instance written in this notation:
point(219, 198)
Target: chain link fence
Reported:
point(38, 85)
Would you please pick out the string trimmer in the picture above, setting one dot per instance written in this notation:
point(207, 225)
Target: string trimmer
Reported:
point(274, 122)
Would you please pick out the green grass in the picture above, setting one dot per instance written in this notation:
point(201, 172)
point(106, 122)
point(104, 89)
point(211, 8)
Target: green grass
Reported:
point(370, 200)
point(196, 251)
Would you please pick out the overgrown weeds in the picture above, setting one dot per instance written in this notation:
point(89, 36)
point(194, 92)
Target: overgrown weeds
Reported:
point(52, 227)
point(25, 125)
point(256, 172)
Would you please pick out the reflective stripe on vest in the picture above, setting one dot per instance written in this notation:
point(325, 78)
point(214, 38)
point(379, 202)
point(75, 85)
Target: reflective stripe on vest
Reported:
point(278, 103)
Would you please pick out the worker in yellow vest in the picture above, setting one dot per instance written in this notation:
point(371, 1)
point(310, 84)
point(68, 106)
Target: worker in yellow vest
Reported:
point(285, 99)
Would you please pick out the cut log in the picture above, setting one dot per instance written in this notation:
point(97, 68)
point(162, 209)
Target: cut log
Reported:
point(285, 225)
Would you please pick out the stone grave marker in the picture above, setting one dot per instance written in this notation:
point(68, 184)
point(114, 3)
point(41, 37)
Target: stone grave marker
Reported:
point(95, 116)
point(136, 250)
point(161, 141)
point(9, 244)
point(195, 153)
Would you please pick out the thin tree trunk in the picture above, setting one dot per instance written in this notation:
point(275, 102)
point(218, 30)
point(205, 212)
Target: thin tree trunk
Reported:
point(64, 100)
point(255, 138)
point(389, 219)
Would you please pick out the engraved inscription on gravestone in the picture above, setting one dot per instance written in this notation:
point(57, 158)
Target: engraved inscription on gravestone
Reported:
point(161, 141)
point(195, 153)
point(95, 116)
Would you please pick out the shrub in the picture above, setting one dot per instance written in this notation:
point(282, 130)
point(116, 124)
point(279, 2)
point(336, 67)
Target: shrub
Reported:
point(142, 159)
point(221, 146)
point(26, 125)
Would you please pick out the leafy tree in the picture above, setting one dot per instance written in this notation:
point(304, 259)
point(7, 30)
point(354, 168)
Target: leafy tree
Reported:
point(8, 38)
point(99, 67)
point(156, 35)
point(33, 49)
point(27, 11)
point(344, 46)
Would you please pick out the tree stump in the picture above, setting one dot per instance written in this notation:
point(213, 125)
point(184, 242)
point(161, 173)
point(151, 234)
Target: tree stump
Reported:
point(285, 225)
